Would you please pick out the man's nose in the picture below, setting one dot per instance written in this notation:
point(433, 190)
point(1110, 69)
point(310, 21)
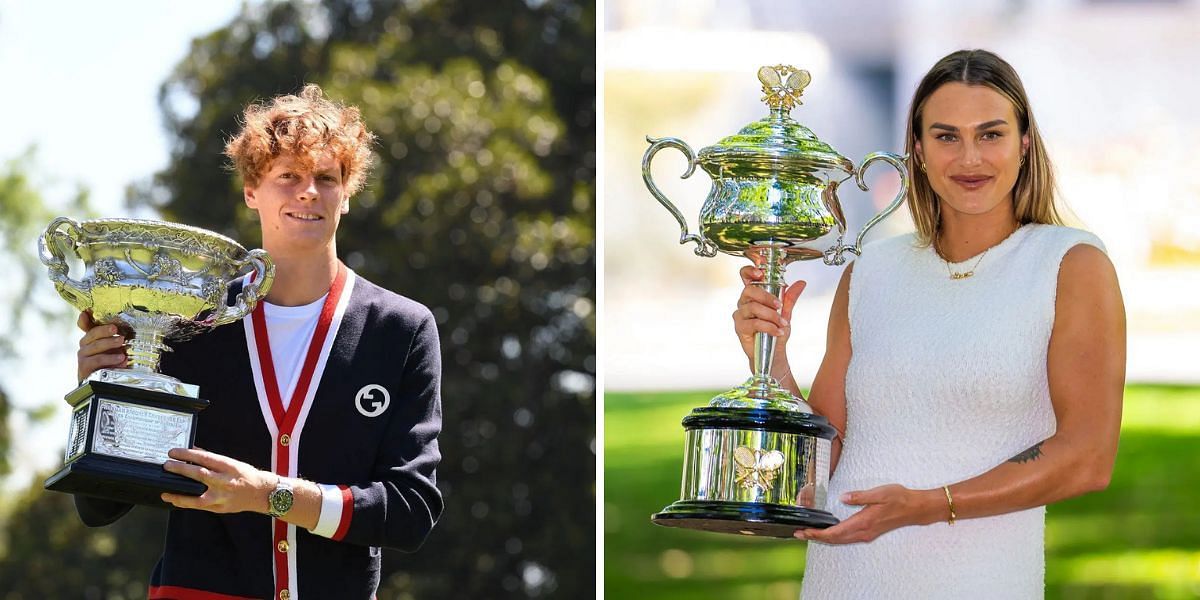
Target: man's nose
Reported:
point(308, 188)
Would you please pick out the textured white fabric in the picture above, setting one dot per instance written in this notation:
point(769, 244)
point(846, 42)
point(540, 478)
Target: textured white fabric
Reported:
point(290, 329)
point(330, 516)
point(947, 380)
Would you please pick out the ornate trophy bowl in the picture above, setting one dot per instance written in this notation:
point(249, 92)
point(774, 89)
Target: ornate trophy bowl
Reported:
point(757, 459)
point(157, 282)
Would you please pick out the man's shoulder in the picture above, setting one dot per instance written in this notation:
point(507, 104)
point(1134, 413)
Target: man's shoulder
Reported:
point(382, 303)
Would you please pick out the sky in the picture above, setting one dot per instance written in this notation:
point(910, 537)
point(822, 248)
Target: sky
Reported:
point(80, 85)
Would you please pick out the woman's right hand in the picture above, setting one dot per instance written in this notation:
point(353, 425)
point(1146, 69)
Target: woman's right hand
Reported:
point(759, 311)
point(101, 347)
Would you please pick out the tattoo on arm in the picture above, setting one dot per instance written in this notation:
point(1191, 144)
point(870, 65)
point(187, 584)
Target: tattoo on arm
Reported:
point(1032, 453)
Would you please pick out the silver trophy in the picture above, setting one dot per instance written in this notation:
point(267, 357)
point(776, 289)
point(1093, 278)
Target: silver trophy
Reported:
point(157, 282)
point(756, 460)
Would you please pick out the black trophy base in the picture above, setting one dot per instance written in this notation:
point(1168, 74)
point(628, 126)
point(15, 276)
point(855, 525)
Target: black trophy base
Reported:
point(96, 449)
point(121, 480)
point(743, 518)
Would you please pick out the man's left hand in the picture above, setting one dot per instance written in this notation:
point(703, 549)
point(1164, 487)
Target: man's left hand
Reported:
point(233, 486)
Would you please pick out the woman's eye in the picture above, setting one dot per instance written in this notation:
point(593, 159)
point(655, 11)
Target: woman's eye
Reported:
point(946, 137)
point(991, 135)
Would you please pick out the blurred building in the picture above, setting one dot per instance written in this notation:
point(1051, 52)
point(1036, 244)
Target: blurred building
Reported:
point(1111, 83)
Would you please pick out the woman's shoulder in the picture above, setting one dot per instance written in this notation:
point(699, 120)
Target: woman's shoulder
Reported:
point(1072, 256)
point(1061, 238)
point(886, 259)
point(904, 242)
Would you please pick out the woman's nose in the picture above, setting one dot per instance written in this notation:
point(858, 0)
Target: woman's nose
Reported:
point(971, 154)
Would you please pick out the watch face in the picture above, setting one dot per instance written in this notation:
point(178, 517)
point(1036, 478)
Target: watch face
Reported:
point(281, 501)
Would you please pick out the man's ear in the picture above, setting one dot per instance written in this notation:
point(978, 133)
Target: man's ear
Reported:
point(345, 205)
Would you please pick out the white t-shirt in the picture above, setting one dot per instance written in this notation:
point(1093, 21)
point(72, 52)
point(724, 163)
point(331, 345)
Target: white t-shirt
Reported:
point(290, 329)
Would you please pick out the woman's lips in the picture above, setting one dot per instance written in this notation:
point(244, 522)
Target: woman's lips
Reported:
point(971, 182)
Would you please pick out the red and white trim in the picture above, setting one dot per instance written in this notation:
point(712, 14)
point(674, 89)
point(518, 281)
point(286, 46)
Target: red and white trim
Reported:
point(286, 425)
point(174, 592)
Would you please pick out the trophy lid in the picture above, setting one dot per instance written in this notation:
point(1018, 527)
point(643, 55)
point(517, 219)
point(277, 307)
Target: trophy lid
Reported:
point(776, 142)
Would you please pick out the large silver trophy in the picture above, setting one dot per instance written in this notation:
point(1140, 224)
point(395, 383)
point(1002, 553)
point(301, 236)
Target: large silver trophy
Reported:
point(157, 282)
point(756, 459)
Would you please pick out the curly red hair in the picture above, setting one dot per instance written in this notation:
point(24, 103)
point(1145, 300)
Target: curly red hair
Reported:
point(303, 126)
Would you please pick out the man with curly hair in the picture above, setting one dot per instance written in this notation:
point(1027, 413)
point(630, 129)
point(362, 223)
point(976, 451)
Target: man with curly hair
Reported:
point(320, 443)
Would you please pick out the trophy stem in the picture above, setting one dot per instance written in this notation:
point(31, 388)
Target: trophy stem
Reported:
point(761, 390)
point(770, 260)
point(145, 350)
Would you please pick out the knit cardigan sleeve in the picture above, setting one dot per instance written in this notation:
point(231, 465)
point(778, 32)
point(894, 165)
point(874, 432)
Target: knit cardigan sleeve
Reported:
point(400, 506)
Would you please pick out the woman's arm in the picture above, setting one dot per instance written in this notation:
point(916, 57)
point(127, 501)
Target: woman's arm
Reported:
point(759, 311)
point(1086, 372)
point(828, 394)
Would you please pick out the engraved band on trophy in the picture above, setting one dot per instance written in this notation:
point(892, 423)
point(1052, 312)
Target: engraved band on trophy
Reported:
point(157, 282)
point(756, 459)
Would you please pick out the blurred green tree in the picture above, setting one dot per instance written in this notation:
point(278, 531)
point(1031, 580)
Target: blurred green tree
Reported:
point(23, 215)
point(482, 207)
point(39, 536)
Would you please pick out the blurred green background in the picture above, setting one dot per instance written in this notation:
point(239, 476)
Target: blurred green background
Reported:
point(1140, 538)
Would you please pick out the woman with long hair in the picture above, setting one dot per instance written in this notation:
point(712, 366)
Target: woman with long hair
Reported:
point(974, 369)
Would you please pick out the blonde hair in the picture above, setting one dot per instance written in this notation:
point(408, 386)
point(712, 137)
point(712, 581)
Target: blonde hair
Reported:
point(1034, 194)
point(303, 126)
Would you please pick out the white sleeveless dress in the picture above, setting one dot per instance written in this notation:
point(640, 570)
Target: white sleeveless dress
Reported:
point(947, 380)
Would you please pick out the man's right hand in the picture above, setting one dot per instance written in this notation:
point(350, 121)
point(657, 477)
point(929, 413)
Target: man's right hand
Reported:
point(101, 347)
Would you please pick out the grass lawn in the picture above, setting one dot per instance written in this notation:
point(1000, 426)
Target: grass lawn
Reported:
point(1138, 539)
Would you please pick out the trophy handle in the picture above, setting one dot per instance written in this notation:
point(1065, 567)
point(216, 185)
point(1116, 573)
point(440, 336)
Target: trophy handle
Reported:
point(78, 293)
point(703, 246)
point(835, 255)
point(260, 284)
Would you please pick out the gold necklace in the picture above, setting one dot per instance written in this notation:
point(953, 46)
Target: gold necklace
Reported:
point(971, 271)
point(965, 274)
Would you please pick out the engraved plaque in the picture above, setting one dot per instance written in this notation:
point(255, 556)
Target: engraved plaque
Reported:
point(77, 435)
point(139, 432)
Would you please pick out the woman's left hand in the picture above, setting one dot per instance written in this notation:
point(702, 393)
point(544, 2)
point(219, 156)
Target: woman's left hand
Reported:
point(885, 508)
point(233, 486)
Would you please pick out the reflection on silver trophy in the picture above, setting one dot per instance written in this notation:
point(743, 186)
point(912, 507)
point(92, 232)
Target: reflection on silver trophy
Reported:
point(157, 282)
point(756, 460)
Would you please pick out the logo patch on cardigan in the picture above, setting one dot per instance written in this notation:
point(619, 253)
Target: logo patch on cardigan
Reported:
point(372, 400)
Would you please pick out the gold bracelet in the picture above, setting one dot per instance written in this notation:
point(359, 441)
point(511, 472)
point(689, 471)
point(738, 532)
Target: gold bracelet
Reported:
point(949, 501)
